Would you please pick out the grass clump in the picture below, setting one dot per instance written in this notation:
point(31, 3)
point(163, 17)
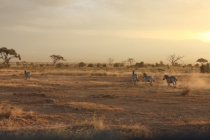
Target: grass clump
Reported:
point(186, 91)
point(7, 111)
point(135, 131)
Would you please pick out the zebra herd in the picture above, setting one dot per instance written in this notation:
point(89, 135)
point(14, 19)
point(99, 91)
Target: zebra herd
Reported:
point(169, 79)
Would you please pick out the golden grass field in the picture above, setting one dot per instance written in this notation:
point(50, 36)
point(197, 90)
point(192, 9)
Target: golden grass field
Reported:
point(105, 105)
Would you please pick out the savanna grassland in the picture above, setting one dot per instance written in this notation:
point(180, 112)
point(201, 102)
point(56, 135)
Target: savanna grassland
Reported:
point(102, 103)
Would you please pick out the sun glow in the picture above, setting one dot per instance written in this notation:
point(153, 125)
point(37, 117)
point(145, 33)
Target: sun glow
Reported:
point(203, 36)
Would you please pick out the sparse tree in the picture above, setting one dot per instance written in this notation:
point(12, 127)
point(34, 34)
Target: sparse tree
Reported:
point(117, 65)
point(141, 64)
point(90, 65)
point(205, 68)
point(202, 60)
point(130, 61)
point(56, 58)
point(8, 54)
point(98, 65)
point(173, 59)
point(124, 62)
point(82, 64)
point(110, 60)
point(196, 65)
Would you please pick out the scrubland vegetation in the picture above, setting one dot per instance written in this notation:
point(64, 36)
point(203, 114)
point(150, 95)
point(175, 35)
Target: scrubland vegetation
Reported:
point(98, 101)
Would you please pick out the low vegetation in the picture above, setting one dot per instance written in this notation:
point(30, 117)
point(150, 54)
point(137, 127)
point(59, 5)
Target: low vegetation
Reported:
point(186, 91)
point(98, 101)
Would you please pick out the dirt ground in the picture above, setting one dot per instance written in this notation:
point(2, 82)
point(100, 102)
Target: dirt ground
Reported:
point(113, 102)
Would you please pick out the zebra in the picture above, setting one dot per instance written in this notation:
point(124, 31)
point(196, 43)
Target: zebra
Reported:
point(148, 78)
point(170, 79)
point(27, 74)
point(134, 78)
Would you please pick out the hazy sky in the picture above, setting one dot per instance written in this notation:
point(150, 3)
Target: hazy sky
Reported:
point(94, 30)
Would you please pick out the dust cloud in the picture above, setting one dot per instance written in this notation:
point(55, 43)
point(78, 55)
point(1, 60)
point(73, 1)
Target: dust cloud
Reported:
point(199, 81)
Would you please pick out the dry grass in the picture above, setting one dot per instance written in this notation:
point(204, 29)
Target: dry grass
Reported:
point(9, 112)
point(14, 117)
point(190, 121)
point(90, 106)
point(59, 104)
point(136, 130)
point(186, 91)
point(96, 124)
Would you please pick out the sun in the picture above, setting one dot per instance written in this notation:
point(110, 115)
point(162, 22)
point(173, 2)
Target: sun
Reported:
point(203, 36)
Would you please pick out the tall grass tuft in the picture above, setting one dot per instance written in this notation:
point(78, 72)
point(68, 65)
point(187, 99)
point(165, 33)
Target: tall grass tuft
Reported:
point(186, 91)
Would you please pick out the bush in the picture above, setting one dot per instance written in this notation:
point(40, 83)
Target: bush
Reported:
point(99, 65)
point(189, 65)
point(66, 65)
point(116, 65)
point(41, 65)
point(60, 65)
point(186, 91)
point(90, 65)
point(197, 65)
point(141, 64)
point(104, 65)
point(205, 68)
point(82, 64)
point(18, 63)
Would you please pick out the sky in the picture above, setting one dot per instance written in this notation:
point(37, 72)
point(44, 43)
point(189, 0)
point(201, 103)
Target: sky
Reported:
point(95, 30)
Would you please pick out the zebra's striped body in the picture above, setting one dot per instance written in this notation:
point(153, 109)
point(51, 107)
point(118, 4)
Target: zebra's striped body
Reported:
point(148, 78)
point(27, 74)
point(170, 79)
point(134, 78)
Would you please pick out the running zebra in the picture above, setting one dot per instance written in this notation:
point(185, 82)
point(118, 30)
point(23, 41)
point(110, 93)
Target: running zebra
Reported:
point(148, 78)
point(170, 79)
point(27, 74)
point(134, 78)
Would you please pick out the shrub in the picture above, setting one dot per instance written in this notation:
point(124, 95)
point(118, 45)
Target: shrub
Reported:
point(122, 64)
point(104, 65)
point(197, 65)
point(186, 91)
point(41, 65)
point(90, 65)
point(18, 63)
point(82, 64)
point(66, 65)
point(60, 65)
point(98, 65)
point(116, 65)
point(141, 64)
point(189, 65)
point(205, 68)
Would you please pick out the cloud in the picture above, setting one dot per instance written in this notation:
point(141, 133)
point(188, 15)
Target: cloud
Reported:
point(135, 15)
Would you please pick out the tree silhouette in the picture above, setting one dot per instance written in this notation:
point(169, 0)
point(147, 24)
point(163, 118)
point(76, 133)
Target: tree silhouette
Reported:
point(110, 60)
point(173, 59)
point(130, 61)
point(8, 54)
point(56, 58)
point(202, 60)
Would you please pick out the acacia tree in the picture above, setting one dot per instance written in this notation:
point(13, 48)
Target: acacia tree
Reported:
point(202, 60)
point(130, 61)
point(173, 59)
point(8, 54)
point(56, 58)
point(110, 60)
